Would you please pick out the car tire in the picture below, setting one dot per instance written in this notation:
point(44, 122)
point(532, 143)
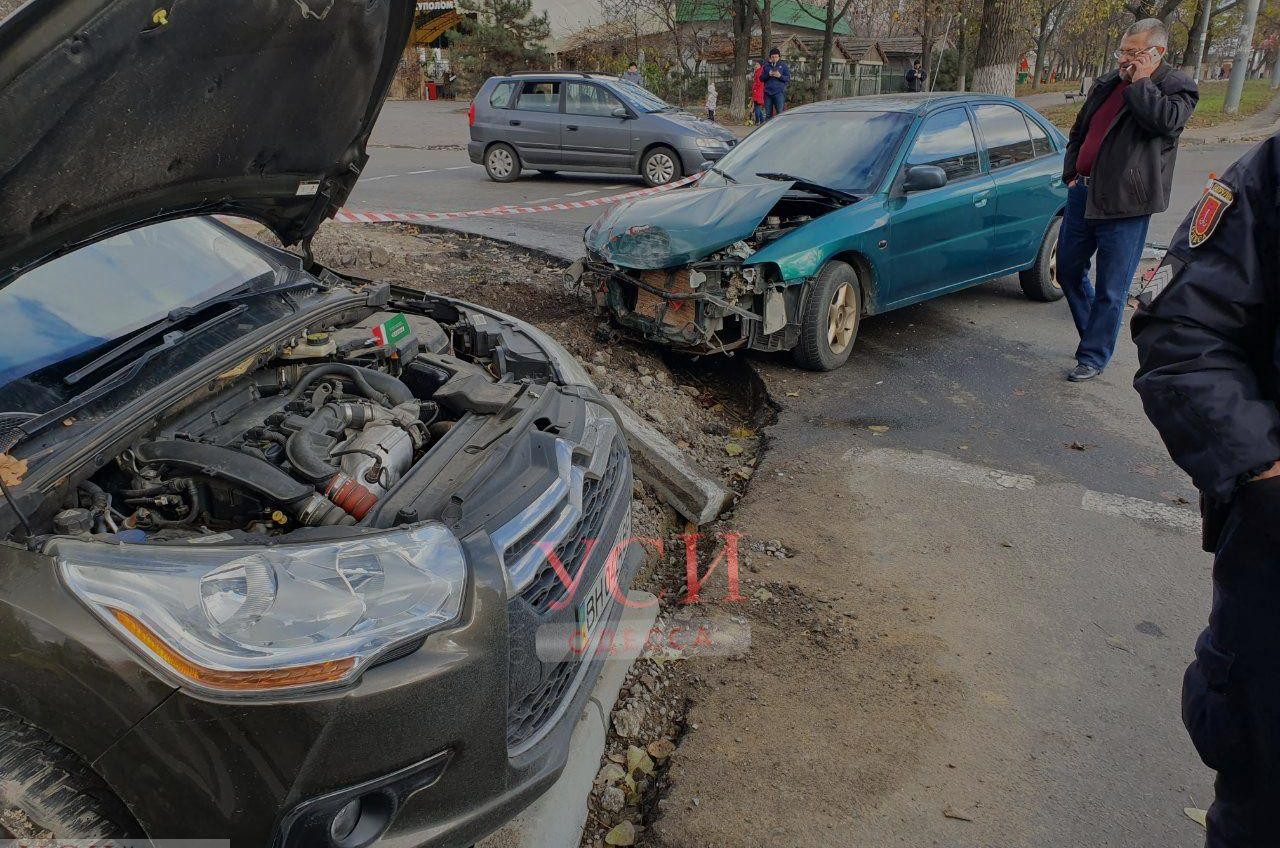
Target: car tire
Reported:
point(48, 789)
point(829, 318)
point(502, 163)
point(1040, 281)
point(660, 166)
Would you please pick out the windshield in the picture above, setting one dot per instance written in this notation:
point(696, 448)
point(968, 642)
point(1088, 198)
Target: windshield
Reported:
point(640, 98)
point(846, 150)
point(109, 289)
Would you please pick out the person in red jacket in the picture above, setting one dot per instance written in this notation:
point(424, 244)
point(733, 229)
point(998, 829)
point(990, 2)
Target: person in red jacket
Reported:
point(757, 94)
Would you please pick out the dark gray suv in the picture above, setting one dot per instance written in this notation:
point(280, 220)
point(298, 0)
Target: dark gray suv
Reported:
point(587, 122)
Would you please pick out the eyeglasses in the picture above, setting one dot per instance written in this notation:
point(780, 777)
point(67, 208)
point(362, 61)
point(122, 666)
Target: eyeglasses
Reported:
point(1131, 54)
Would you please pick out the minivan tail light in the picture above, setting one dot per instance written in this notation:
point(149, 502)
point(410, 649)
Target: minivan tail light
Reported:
point(471, 115)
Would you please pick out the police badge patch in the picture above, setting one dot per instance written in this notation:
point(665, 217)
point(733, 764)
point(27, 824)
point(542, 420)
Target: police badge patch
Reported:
point(1209, 211)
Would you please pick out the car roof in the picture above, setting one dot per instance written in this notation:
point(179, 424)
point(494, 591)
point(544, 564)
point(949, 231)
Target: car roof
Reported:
point(915, 103)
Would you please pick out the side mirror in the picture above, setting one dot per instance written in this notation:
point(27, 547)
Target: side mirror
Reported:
point(923, 178)
point(621, 113)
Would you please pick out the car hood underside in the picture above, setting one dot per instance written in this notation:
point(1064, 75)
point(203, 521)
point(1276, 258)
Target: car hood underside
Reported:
point(667, 230)
point(118, 112)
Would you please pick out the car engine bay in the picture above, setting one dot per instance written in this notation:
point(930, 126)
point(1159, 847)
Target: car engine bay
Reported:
point(313, 435)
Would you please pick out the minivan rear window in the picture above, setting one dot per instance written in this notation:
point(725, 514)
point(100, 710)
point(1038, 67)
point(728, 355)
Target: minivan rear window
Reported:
point(501, 96)
point(539, 97)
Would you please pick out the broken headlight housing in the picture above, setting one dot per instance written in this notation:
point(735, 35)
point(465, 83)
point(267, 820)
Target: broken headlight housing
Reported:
point(246, 620)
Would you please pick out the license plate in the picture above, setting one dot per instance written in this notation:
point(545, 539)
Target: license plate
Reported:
point(592, 607)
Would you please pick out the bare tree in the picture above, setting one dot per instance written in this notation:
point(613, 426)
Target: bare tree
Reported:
point(834, 11)
point(1050, 12)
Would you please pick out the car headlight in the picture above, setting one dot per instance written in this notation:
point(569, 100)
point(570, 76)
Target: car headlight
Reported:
point(240, 620)
point(712, 143)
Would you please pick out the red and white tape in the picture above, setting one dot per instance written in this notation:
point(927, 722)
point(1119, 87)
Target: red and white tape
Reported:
point(351, 216)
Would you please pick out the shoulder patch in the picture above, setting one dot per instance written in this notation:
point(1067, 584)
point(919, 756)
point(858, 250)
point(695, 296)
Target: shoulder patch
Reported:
point(1208, 213)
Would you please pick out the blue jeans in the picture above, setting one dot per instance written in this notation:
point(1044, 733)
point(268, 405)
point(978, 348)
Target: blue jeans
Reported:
point(773, 103)
point(757, 114)
point(1098, 310)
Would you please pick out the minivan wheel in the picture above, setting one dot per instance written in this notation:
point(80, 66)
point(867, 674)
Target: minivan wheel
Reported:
point(1040, 281)
point(502, 164)
point(660, 166)
point(830, 318)
point(45, 788)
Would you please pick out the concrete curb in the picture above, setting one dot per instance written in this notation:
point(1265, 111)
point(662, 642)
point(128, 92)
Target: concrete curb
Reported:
point(556, 819)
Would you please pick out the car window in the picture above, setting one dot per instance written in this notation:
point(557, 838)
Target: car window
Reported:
point(1039, 138)
point(108, 289)
point(946, 140)
point(582, 98)
point(501, 96)
point(845, 150)
point(1005, 132)
point(539, 97)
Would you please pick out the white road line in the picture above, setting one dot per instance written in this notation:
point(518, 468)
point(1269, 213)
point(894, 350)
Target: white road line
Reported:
point(926, 465)
point(458, 168)
point(383, 177)
point(612, 187)
point(580, 193)
point(1142, 510)
point(427, 171)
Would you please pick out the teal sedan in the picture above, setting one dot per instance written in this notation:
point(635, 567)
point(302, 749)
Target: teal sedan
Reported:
point(832, 212)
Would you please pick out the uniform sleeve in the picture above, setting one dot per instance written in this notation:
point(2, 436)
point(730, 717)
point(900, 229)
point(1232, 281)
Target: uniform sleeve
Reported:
point(1206, 343)
point(1159, 113)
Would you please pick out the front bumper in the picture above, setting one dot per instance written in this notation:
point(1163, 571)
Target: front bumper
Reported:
point(454, 738)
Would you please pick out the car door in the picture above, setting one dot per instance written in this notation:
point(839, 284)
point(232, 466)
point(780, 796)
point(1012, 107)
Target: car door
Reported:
point(593, 135)
point(1028, 180)
point(533, 123)
point(939, 239)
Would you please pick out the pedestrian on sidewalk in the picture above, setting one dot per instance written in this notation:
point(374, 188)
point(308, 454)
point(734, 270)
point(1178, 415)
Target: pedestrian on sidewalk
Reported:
point(915, 77)
point(1118, 169)
point(632, 75)
point(711, 100)
point(757, 93)
point(1208, 336)
point(777, 76)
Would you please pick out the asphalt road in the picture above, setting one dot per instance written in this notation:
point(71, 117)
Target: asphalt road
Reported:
point(1039, 535)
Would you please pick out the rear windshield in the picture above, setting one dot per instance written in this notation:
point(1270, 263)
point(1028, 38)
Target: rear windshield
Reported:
point(844, 150)
point(641, 99)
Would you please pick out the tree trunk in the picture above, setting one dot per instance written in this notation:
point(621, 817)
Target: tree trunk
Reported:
point(962, 54)
point(1240, 68)
point(741, 13)
point(828, 37)
point(927, 27)
point(1196, 38)
point(1042, 38)
point(766, 28)
point(996, 65)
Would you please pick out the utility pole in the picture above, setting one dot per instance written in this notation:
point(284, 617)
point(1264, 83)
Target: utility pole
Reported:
point(1275, 70)
point(1244, 50)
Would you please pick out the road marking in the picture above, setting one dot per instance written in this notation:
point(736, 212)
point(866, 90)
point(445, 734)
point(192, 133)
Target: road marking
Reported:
point(540, 200)
point(1142, 510)
point(580, 193)
point(383, 177)
point(926, 465)
point(427, 171)
point(458, 168)
point(612, 187)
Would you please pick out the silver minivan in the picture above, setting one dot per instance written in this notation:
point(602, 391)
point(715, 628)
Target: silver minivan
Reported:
point(551, 122)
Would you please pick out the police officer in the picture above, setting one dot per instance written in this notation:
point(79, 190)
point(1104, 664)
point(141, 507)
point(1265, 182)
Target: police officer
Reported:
point(1208, 341)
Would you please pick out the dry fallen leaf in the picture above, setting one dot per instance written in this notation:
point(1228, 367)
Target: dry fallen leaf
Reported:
point(638, 760)
point(1196, 815)
point(742, 433)
point(12, 469)
point(660, 749)
point(733, 448)
point(878, 428)
point(1077, 446)
point(953, 813)
point(623, 834)
point(793, 394)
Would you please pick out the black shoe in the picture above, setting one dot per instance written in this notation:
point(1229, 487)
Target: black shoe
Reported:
point(1083, 372)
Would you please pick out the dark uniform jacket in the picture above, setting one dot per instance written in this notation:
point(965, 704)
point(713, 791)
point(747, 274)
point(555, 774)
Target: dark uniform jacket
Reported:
point(1207, 342)
point(1134, 168)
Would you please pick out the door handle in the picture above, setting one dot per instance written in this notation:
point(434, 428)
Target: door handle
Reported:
point(514, 123)
point(571, 128)
point(980, 199)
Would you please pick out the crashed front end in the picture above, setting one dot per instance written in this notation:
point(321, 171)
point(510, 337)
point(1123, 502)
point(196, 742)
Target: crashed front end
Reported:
point(678, 270)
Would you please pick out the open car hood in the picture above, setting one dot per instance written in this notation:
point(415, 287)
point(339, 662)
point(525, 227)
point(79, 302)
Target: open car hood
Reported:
point(682, 226)
point(121, 112)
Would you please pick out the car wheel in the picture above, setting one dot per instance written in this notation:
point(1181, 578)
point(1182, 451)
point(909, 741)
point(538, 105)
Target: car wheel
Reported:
point(830, 318)
point(48, 789)
point(1040, 281)
point(660, 166)
point(502, 164)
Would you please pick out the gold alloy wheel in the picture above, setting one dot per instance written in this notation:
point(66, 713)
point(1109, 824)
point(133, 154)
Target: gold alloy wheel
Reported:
point(1053, 266)
point(842, 319)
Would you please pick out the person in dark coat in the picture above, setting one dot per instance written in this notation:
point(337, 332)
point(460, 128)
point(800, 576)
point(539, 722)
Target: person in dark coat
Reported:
point(1208, 334)
point(1119, 167)
point(915, 77)
point(777, 76)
